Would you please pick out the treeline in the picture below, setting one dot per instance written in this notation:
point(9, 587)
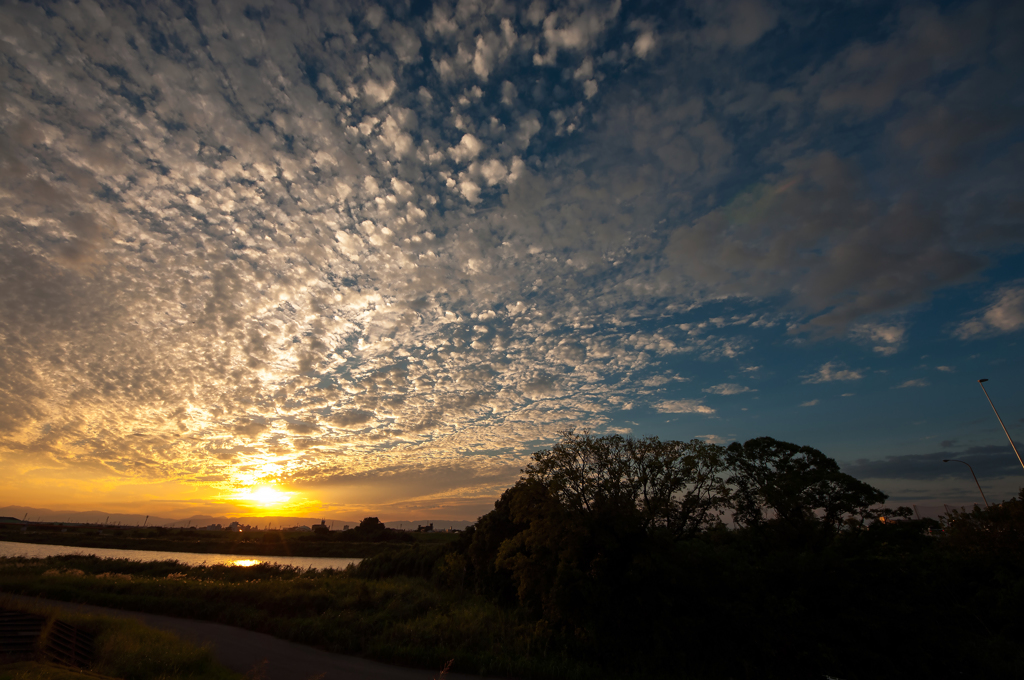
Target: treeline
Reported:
point(615, 549)
point(369, 537)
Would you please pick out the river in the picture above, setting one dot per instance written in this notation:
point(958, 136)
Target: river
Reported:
point(8, 549)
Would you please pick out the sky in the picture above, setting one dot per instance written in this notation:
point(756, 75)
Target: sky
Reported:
point(339, 258)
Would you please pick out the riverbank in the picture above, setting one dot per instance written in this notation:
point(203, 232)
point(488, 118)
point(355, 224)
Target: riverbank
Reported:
point(42, 551)
point(268, 543)
point(418, 622)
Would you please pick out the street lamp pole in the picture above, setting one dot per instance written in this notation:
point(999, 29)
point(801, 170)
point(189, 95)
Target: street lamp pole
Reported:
point(1012, 445)
point(951, 460)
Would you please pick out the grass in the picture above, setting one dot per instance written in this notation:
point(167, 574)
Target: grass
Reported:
point(40, 670)
point(124, 648)
point(409, 621)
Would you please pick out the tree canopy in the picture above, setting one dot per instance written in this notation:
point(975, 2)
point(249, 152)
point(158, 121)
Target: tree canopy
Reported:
point(795, 482)
point(592, 513)
point(674, 485)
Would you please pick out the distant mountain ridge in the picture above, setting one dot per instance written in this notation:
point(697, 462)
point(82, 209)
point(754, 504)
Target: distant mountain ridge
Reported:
point(273, 522)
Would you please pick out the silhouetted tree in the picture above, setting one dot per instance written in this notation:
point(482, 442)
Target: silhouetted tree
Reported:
point(587, 512)
point(612, 545)
point(486, 539)
point(372, 530)
point(794, 482)
point(370, 524)
point(676, 485)
point(995, 530)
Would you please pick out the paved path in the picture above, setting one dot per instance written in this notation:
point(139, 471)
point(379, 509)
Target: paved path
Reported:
point(262, 656)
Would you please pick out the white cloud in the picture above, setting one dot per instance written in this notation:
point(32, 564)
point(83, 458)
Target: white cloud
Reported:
point(946, 369)
point(493, 171)
point(888, 336)
point(567, 30)
point(727, 388)
point(529, 125)
point(714, 438)
point(509, 93)
point(919, 382)
point(659, 380)
point(470, 190)
point(812, 402)
point(541, 388)
point(353, 419)
point(1004, 315)
point(351, 245)
point(483, 59)
point(393, 135)
point(468, 148)
point(379, 92)
point(682, 406)
point(402, 188)
point(644, 44)
point(830, 372)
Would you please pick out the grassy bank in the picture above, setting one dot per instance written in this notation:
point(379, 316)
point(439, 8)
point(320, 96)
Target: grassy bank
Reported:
point(123, 648)
point(271, 543)
point(410, 621)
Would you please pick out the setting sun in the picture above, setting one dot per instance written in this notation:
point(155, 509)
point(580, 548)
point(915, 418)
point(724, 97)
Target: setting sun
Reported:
point(265, 496)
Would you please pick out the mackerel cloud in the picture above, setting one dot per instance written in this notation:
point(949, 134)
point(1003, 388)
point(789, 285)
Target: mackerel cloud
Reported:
point(244, 240)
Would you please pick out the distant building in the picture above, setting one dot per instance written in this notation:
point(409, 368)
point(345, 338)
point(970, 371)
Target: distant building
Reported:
point(425, 529)
point(321, 528)
point(212, 527)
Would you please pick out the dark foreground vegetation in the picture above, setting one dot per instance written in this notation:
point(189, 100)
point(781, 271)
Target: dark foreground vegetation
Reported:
point(368, 538)
point(401, 619)
point(608, 559)
point(116, 648)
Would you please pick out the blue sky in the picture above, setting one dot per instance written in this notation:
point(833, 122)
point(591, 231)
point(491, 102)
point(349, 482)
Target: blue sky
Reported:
point(376, 255)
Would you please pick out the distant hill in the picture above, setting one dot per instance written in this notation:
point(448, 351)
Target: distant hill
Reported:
point(86, 517)
point(273, 522)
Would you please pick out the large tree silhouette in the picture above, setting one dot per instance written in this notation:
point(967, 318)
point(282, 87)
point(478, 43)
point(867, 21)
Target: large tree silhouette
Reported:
point(796, 483)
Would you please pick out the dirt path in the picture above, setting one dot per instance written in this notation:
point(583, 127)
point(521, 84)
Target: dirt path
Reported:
point(265, 657)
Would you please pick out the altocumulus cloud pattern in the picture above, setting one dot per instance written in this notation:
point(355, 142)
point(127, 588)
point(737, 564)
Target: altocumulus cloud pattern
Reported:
point(312, 241)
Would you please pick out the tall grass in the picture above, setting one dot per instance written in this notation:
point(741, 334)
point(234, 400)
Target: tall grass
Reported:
point(124, 648)
point(406, 620)
point(38, 670)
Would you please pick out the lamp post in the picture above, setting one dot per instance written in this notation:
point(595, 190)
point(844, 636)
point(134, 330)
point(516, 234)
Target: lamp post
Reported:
point(1012, 445)
point(951, 460)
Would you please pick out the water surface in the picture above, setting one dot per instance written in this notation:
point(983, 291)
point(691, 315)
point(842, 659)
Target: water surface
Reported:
point(8, 549)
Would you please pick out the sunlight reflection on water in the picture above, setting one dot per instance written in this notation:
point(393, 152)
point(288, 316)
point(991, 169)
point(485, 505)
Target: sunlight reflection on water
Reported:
point(246, 563)
point(9, 549)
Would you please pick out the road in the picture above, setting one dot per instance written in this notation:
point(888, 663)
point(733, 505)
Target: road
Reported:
point(261, 656)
